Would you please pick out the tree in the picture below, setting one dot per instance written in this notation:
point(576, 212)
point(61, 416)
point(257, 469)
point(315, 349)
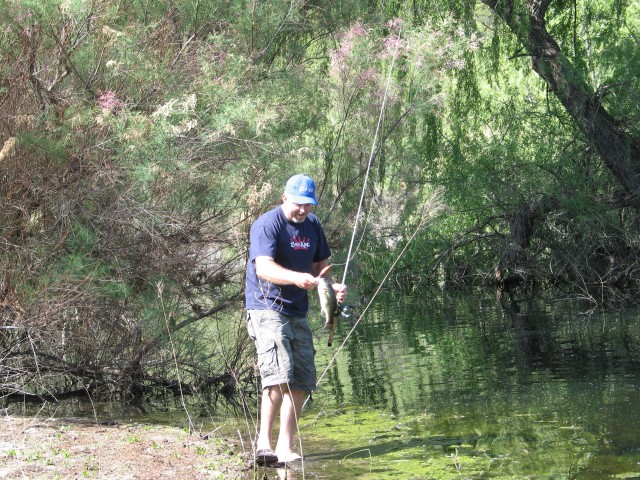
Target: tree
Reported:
point(618, 148)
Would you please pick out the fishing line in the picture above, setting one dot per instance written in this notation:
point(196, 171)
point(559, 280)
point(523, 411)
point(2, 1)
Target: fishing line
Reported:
point(418, 228)
point(371, 156)
point(359, 211)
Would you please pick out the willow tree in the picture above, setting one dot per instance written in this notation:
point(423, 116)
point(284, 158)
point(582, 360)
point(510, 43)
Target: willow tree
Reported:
point(617, 145)
point(585, 52)
point(538, 147)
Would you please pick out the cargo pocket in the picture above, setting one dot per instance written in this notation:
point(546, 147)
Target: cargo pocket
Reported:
point(268, 360)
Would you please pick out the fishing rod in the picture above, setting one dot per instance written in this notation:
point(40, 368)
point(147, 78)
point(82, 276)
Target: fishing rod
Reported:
point(371, 157)
point(360, 206)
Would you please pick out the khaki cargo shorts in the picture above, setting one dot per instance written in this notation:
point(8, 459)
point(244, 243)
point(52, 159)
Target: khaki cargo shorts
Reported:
point(285, 349)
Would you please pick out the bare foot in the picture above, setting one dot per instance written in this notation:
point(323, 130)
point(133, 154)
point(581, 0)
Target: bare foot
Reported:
point(288, 457)
point(263, 443)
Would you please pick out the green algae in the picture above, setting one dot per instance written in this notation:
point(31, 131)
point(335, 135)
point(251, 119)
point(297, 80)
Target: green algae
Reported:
point(373, 444)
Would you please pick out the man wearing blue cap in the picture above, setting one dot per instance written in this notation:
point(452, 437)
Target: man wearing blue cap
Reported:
point(287, 251)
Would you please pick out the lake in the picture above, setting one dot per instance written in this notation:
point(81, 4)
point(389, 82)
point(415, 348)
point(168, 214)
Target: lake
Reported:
point(466, 384)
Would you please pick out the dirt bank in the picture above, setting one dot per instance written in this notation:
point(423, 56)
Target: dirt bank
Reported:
point(64, 448)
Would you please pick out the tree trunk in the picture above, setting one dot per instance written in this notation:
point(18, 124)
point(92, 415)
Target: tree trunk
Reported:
point(618, 149)
point(512, 269)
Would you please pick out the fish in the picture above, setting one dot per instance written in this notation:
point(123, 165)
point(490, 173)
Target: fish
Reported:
point(328, 304)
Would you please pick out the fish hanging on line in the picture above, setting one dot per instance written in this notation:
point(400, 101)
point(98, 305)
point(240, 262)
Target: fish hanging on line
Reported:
point(328, 303)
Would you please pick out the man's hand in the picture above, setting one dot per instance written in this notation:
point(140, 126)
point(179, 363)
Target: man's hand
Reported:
point(306, 281)
point(341, 292)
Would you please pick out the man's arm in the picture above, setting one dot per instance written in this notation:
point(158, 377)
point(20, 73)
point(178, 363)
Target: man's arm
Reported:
point(267, 269)
point(317, 267)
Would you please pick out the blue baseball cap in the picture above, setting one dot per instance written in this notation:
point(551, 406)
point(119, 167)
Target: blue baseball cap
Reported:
point(301, 189)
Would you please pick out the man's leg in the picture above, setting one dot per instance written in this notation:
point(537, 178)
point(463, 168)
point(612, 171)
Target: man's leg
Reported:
point(270, 406)
point(292, 402)
point(268, 329)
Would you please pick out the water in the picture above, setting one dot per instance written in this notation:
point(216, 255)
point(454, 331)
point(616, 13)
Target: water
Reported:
point(461, 385)
point(467, 385)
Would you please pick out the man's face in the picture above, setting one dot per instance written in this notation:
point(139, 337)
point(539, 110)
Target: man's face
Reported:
point(296, 212)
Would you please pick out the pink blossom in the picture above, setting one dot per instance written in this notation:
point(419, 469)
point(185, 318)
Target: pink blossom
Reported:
point(356, 30)
point(395, 24)
point(340, 57)
point(109, 102)
point(393, 45)
point(367, 76)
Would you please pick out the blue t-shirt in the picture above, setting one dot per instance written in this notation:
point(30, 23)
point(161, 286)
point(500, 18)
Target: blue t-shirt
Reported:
point(295, 246)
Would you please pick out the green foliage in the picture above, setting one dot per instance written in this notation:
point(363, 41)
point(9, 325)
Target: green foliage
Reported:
point(41, 11)
point(150, 135)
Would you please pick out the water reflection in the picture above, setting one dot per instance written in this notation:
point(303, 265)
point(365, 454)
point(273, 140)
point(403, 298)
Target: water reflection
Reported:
point(514, 385)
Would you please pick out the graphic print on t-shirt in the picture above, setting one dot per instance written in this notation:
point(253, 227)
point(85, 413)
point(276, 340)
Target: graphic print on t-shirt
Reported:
point(300, 243)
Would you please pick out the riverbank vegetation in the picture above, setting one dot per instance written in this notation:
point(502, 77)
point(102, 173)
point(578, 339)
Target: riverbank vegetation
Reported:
point(140, 139)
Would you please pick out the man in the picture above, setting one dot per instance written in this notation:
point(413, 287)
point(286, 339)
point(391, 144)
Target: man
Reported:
point(287, 251)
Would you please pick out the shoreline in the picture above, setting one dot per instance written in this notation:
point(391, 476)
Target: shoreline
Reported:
point(63, 448)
